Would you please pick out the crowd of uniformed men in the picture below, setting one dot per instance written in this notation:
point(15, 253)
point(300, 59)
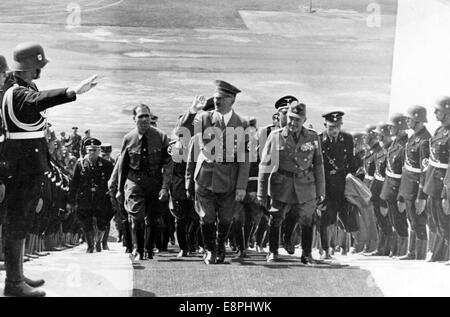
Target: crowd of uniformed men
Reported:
point(219, 179)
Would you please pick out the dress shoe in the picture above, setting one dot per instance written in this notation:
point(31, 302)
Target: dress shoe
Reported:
point(242, 255)
point(307, 259)
point(21, 289)
point(33, 283)
point(182, 254)
point(408, 256)
point(220, 257)
point(290, 248)
point(210, 258)
point(272, 257)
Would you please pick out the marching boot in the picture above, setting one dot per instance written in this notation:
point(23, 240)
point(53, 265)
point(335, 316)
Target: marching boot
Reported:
point(238, 232)
point(89, 236)
point(381, 245)
point(431, 242)
point(105, 238)
point(402, 246)
point(223, 230)
point(411, 255)
point(150, 237)
point(98, 240)
point(14, 283)
point(209, 237)
point(394, 244)
point(437, 252)
point(421, 249)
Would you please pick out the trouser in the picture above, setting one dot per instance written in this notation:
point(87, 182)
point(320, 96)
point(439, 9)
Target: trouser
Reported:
point(301, 212)
point(186, 223)
point(386, 234)
point(246, 217)
point(22, 195)
point(397, 218)
point(145, 210)
point(261, 232)
point(418, 224)
point(216, 212)
point(441, 221)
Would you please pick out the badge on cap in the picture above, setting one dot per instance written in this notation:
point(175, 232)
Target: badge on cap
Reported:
point(39, 57)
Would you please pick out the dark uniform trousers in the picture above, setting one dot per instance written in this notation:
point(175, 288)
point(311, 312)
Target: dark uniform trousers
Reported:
point(300, 212)
point(384, 222)
point(144, 208)
point(247, 216)
point(187, 223)
point(389, 193)
point(210, 205)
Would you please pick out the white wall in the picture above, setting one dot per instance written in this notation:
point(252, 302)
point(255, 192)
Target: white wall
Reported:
point(421, 66)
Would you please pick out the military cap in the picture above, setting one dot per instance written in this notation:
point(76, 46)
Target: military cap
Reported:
point(399, 120)
point(92, 143)
point(29, 56)
point(334, 117)
point(297, 110)
point(370, 128)
point(3, 64)
point(358, 137)
point(285, 102)
point(226, 88)
point(106, 148)
point(443, 104)
point(383, 128)
point(252, 122)
point(74, 128)
point(209, 105)
point(417, 113)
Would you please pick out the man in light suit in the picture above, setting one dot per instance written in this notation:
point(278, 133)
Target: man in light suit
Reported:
point(291, 172)
point(219, 167)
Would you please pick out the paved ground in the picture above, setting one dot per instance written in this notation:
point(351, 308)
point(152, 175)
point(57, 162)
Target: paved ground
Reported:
point(163, 53)
point(72, 273)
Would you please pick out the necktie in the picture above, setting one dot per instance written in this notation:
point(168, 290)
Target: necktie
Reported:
point(144, 154)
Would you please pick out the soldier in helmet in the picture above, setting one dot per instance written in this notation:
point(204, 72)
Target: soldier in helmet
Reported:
point(26, 153)
point(89, 193)
point(391, 185)
point(411, 185)
point(385, 233)
point(291, 172)
point(437, 170)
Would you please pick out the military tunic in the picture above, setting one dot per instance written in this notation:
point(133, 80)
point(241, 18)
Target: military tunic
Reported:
point(292, 174)
point(391, 184)
point(437, 171)
point(89, 192)
point(413, 178)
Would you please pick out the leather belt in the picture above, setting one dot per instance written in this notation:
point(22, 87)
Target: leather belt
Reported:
point(293, 174)
point(379, 178)
point(25, 135)
point(412, 169)
point(438, 164)
point(392, 175)
point(368, 177)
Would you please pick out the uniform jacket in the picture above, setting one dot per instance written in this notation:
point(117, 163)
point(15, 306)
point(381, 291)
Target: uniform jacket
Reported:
point(439, 152)
point(159, 159)
point(89, 187)
point(218, 177)
point(369, 163)
point(380, 171)
point(338, 156)
point(30, 156)
point(417, 149)
point(281, 154)
point(395, 158)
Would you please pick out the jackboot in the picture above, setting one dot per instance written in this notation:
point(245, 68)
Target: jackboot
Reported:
point(105, 238)
point(89, 236)
point(411, 255)
point(223, 230)
point(98, 240)
point(209, 237)
point(402, 246)
point(438, 250)
point(421, 249)
point(14, 283)
point(381, 246)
